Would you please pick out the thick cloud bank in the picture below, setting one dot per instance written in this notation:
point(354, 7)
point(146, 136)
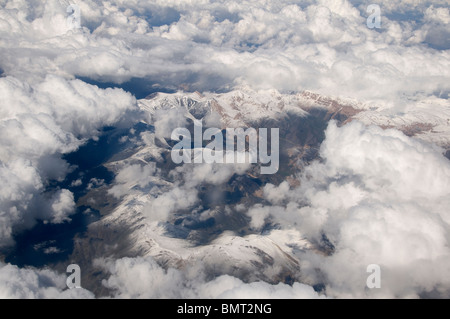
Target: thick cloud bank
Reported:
point(143, 278)
point(379, 197)
point(215, 45)
point(19, 283)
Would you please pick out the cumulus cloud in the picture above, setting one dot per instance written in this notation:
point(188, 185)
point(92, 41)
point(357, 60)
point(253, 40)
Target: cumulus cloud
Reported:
point(31, 283)
point(144, 278)
point(379, 197)
point(176, 199)
point(216, 45)
point(63, 205)
point(183, 194)
point(39, 123)
point(213, 174)
point(133, 176)
point(166, 121)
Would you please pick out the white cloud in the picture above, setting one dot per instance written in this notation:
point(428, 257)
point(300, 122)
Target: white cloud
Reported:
point(133, 176)
point(276, 194)
point(163, 206)
point(380, 197)
point(183, 193)
point(144, 278)
point(39, 123)
point(31, 283)
point(166, 121)
point(63, 206)
point(139, 174)
point(214, 174)
point(210, 45)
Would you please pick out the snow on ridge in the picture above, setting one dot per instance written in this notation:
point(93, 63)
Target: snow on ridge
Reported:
point(244, 105)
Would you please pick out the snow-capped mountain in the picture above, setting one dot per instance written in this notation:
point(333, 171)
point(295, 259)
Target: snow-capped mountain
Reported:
point(241, 107)
point(206, 223)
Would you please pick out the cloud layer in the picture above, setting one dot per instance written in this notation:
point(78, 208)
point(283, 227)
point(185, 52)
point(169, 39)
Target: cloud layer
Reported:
point(379, 197)
point(132, 278)
point(20, 283)
point(39, 123)
point(376, 197)
point(216, 45)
